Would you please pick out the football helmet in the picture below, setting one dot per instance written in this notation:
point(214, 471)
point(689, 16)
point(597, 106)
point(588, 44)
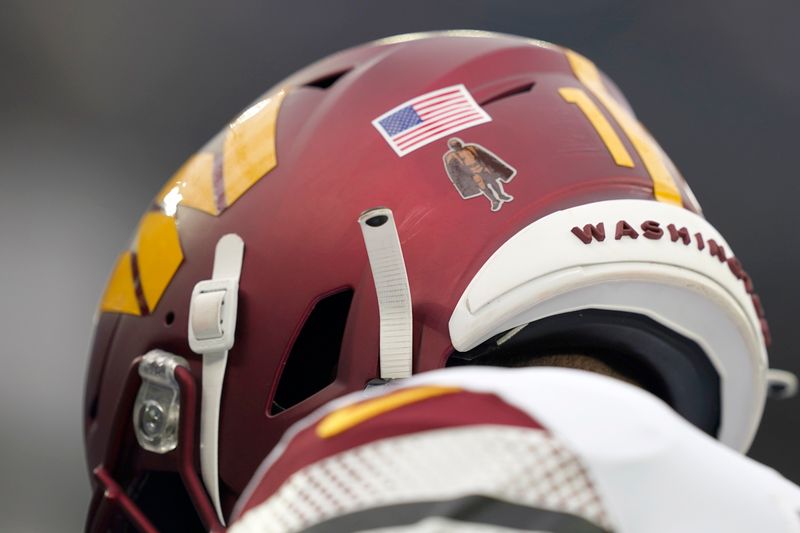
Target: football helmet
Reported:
point(421, 201)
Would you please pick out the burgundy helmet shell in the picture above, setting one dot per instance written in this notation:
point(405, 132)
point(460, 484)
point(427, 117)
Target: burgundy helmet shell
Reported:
point(534, 211)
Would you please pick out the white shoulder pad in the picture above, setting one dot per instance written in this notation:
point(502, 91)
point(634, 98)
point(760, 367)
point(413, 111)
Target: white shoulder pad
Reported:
point(653, 470)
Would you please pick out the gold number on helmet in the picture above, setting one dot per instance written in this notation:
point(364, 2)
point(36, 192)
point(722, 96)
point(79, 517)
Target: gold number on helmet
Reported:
point(610, 138)
point(664, 187)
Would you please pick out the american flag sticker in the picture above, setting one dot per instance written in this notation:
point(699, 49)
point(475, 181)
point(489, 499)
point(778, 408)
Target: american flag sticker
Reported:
point(429, 117)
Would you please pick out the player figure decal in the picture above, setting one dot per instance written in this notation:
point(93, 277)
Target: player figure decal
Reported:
point(474, 170)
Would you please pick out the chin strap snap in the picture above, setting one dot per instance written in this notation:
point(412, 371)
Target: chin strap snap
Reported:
point(781, 384)
point(212, 326)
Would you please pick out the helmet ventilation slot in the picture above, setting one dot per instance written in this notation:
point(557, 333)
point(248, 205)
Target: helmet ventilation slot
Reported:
point(314, 359)
point(327, 81)
point(519, 89)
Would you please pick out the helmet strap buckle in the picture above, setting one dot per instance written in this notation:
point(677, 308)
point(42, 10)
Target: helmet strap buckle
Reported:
point(212, 328)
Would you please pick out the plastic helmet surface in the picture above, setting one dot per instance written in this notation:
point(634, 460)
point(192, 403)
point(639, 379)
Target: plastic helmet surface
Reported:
point(534, 213)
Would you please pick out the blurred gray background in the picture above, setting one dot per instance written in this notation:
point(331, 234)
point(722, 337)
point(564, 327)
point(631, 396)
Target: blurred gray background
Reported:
point(101, 101)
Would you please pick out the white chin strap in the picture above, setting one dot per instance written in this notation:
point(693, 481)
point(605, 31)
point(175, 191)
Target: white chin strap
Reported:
point(394, 295)
point(212, 326)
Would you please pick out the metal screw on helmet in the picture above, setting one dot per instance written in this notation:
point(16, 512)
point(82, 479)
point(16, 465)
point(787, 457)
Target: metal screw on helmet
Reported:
point(151, 419)
point(156, 411)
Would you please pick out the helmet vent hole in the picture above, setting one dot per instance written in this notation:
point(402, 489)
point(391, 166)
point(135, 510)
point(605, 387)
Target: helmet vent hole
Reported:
point(506, 94)
point(327, 81)
point(169, 319)
point(314, 359)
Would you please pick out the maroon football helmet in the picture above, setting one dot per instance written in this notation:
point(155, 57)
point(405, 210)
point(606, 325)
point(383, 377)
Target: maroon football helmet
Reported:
point(417, 202)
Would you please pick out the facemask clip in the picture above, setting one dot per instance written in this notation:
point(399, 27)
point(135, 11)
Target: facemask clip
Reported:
point(156, 412)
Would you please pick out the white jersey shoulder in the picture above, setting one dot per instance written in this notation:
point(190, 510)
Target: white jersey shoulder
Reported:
point(607, 457)
point(653, 470)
